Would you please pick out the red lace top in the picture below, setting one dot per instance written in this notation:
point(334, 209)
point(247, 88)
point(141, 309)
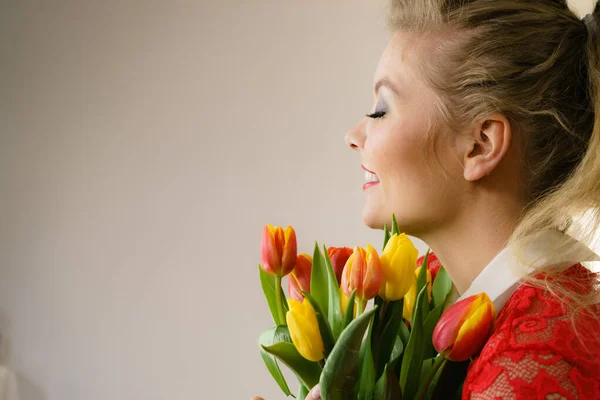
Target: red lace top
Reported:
point(535, 351)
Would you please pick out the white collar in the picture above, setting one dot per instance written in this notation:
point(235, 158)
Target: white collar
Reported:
point(503, 275)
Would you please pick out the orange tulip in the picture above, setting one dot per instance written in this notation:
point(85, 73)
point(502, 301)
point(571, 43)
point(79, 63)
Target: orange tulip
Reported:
point(363, 273)
point(278, 250)
point(433, 264)
point(464, 328)
point(299, 278)
point(339, 256)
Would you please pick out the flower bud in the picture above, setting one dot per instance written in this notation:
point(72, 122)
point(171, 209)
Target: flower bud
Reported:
point(464, 328)
point(299, 278)
point(398, 265)
point(339, 256)
point(363, 273)
point(278, 250)
point(304, 329)
point(433, 264)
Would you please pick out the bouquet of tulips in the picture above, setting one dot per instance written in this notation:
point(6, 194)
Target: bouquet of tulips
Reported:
point(402, 346)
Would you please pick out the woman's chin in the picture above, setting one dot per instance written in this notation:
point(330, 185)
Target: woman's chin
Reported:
point(374, 220)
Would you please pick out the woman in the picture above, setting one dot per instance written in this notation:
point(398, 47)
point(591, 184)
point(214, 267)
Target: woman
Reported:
point(484, 141)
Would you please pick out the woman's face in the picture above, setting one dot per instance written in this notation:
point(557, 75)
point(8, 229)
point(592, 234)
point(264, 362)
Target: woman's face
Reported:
point(392, 144)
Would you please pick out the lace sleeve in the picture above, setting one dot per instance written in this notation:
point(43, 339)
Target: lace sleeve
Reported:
point(536, 352)
point(532, 374)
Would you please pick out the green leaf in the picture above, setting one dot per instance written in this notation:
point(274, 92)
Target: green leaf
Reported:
point(389, 333)
point(302, 392)
point(426, 258)
point(308, 372)
point(341, 369)
point(335, 307)
point(366, 382)
point(449, 380)
point(422, 283)
point(428, 327)
point(268, 286)
point(386, 236)
point(442, 286)
point(404, 333)
point(319, 280)
point(387, 387)
point(413, 355)
point(398, 348)
point(422, 278)
point(426, 369)
point(268, 338)
point(349, 311)
point(395, 229)
point(324, 328)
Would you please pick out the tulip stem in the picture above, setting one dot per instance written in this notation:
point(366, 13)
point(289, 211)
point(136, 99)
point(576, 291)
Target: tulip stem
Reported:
point(278, 300)
point(360, 306)
point(440, 361)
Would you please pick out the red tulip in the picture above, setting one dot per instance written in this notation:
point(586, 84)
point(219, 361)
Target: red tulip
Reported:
point(464, 328)
point(299, 278)
point(433, 264)
point(363, 273)
point(278, 250)
point(339, 256)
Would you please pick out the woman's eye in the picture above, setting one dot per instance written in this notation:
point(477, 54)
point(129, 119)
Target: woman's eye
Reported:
point(376, 114)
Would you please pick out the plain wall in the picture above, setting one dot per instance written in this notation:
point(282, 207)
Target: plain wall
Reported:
point(144, 145)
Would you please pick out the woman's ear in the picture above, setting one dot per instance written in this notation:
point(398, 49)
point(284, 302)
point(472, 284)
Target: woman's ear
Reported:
point(483, 149)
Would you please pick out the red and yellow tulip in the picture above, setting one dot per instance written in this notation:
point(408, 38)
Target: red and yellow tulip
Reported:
point(464, 328)
point(398, 265)
point(339, 256)
point(433, 264)
point(299, 278)
point(278, 250)
point(362, 273)
point(304, 329)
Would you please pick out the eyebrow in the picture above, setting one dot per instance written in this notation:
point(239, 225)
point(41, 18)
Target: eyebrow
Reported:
point(387, 83)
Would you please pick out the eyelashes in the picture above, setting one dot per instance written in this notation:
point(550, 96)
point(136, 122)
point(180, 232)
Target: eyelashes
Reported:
point(376, 114)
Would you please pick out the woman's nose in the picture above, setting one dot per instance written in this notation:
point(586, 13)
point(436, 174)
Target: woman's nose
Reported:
point(355, 137)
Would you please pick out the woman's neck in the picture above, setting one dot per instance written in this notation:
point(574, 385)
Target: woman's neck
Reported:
point(472, 240)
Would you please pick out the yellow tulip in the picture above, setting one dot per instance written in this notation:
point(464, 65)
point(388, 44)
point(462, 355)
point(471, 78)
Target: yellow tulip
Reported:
point(410, 298)
point(398, 264)
point(304, 330)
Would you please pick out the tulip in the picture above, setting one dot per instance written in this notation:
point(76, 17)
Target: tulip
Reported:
point(304, 329)
point(411, 295)
point(299, 278)
point(433, 264)
point(339, 256)
point(362, 273)
point(278, 250)
point(397, 264)
point(464, 328)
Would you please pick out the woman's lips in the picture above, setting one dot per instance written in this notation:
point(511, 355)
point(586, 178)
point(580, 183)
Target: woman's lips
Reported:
point(370, 177)
point(365, 168)
point(369, 184)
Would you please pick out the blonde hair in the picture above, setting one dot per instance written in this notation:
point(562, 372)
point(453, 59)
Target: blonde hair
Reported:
point(536, 63)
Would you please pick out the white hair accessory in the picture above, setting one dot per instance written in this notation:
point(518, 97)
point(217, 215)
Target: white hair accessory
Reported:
point(590, 22)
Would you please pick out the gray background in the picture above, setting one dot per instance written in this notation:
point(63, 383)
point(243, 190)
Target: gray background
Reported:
point(143, 146)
